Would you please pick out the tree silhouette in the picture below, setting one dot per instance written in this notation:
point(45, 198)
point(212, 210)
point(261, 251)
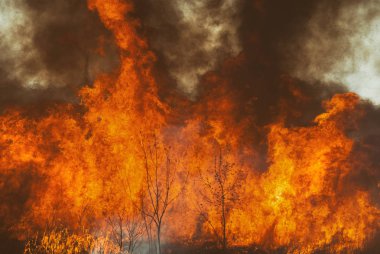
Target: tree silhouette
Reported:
point(220, 191)
point(159, 190)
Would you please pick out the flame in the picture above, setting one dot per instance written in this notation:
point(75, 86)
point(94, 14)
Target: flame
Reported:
point(87, 162)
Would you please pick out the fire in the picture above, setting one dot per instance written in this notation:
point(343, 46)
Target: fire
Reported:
point(305, 185)
point(109, 159)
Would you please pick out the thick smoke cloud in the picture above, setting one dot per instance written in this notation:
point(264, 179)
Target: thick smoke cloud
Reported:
point(192, 37)
point(253, 34)
point(49, 48)
point(339, 44)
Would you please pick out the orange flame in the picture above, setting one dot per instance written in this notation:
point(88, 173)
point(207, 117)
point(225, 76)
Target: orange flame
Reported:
point(89, 165)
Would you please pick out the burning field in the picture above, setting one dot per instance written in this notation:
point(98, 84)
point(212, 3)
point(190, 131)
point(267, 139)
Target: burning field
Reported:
point(214, 126)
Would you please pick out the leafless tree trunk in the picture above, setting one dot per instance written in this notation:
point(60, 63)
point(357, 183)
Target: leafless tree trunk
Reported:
point(221, 183)
point(160, 174)
point(126, 231)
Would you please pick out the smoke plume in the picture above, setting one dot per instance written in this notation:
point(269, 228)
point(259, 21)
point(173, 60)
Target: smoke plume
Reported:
point(338, 44)
point(192, 37)
point(49, 49)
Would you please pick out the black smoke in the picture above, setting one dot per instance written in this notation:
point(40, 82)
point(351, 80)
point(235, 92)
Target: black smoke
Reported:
point(59, 46)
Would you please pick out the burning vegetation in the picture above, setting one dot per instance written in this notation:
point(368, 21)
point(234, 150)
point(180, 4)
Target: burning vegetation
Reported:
point(256, 162)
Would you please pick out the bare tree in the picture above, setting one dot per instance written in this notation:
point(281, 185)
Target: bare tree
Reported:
point(221, 183)
point(126, 230)
point(158, 193)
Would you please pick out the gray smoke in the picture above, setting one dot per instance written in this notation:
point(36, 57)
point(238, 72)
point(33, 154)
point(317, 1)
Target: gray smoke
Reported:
point(340, 44)
point(192, 37)
point(49, 49)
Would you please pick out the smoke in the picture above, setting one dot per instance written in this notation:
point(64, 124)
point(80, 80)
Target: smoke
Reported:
point(315, 41)
point(339, 44)
point(49, 49)
point(192, 37)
